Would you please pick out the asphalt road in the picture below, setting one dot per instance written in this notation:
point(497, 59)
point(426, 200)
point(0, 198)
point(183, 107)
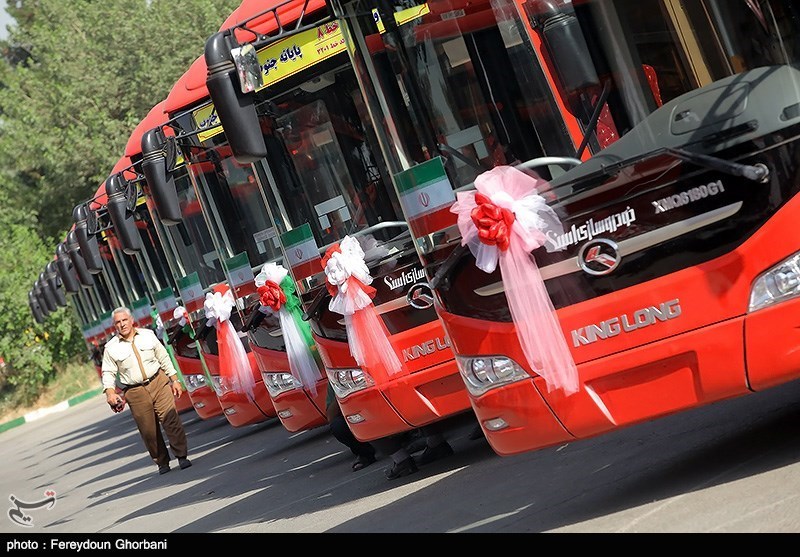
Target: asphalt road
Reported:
point(729, 467)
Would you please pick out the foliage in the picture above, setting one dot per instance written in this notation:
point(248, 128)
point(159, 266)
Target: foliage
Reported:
point(80, 76)
point(76, 78)
point(29, 349)
point(73, 378)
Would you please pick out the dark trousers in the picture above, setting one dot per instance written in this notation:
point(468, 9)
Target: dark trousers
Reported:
point(340, 430)
point(153, 407)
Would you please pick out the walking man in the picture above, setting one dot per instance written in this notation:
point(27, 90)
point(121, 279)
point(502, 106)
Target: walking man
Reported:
point(139, 362)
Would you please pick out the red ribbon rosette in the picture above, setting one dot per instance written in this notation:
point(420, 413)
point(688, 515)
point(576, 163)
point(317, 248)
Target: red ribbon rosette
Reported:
point(271, 295)
point(502, 223)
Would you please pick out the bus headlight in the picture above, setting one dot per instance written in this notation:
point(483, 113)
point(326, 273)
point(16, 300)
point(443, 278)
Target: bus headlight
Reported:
point(348, 381)
point(484, 373)
point(194, 382)
point(221, 385)
point(278, 382)
point(777, 284)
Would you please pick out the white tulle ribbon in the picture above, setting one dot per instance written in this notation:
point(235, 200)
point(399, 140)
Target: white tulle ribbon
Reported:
point(181, 315)
point(349, 280)
point(502, 223)
point(271, 281)
point(234, 364)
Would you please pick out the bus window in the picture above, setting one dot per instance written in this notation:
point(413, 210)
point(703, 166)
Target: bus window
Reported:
point(334, 180)
point(235, 200)
point(190, 239)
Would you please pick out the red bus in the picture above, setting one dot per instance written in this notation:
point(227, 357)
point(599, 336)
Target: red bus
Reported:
point(223, 253)
point(307, 133)
point(182, 260)
point(602, 194)
point(117, 241)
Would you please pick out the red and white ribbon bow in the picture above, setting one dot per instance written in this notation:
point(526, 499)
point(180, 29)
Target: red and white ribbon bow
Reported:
point(234, 365)
point(502, 222)
point(348, 283)
point(271, 282)
point(181, 315)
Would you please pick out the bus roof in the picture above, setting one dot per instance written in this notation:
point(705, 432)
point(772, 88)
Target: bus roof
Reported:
point(154, 118)
point(189, 89)
point(191, 86)
point(100, 197)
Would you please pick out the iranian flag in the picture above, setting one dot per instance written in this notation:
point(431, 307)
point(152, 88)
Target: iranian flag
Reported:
point(97, 330)
point(191, 292)
point(107, 323)
point(141, 312)
point(426, 196)
point(302, 252)
point(240, 273)
point(165, 304)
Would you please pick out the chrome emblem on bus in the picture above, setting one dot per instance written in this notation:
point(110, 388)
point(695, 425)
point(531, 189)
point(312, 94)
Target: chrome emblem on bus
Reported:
point(599, 256)
point(420, 296)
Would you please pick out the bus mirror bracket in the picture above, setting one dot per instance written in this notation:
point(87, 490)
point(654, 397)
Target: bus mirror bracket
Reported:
point(159, 156)
point(236, 110)
point(121, 202)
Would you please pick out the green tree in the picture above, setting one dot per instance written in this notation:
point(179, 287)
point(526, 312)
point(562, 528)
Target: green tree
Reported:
point(29, 349)
point(76, 77)
point(79, 76)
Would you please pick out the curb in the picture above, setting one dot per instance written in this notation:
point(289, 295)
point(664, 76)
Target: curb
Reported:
point(42, 412)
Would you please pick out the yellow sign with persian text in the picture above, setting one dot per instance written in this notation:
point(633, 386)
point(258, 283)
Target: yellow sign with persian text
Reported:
point(287, 57)
point(402, 17)
point(206, 118)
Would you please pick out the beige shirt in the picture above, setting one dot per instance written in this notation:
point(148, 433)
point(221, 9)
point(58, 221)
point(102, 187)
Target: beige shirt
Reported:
point(118, 357)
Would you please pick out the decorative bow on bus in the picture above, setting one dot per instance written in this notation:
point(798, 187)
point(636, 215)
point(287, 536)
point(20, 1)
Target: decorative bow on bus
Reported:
point(277, 297)
point(504, 221)
point(234, 364)
point(348, 284)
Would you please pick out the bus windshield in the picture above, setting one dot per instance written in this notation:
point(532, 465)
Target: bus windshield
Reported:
point(499, 82)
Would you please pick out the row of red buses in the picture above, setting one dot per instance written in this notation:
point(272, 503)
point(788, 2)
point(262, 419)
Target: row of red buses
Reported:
point(314, 179)
point(576, 216)
point(600, 192)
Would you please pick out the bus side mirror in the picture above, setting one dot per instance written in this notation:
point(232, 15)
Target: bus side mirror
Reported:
point(87, 237)
point(36, 309)
point(47, 295)
point(564, 39)
point(69, 277)
point(155, 152)
point(236, 110)
point(37, 291)
point(78, 263)
point(55, 283)
point(121, 203)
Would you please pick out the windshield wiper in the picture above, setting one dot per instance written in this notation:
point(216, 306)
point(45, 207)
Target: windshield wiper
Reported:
point(756, 172)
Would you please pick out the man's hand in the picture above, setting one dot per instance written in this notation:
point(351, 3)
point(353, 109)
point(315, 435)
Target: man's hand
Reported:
point(176, 388)
point(116, 402)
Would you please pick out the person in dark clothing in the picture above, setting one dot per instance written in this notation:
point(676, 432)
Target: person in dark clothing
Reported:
point(337, 424)
point(399, 448)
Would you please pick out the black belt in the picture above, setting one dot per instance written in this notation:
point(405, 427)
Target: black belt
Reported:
point(142, 384)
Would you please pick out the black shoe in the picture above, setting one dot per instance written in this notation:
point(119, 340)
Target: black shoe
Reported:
point(184, 463)
point(163, 469)
point(400, 469)
point(363, 461)
point(434, 453)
